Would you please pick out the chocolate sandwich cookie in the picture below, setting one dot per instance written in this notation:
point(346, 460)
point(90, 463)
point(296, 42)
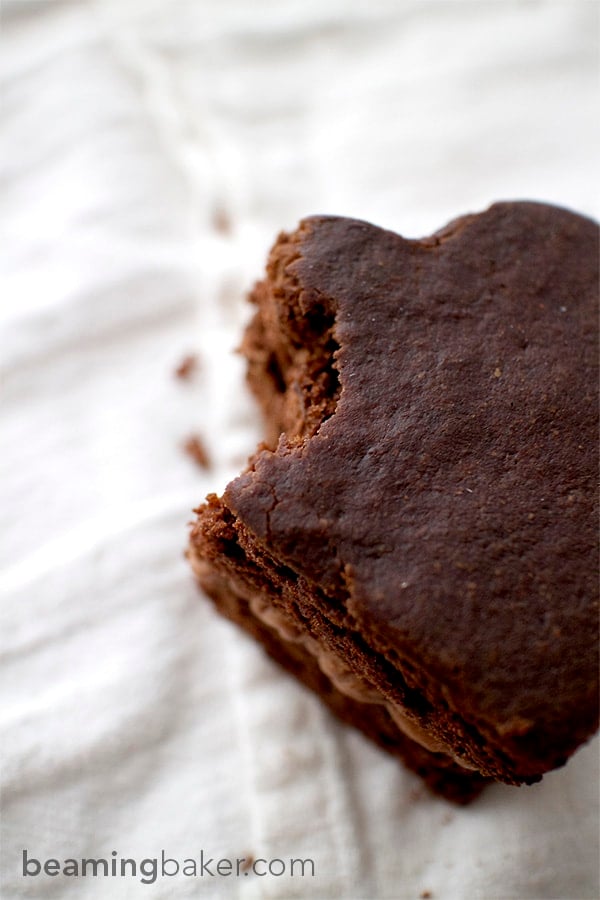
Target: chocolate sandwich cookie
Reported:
point(417, 540)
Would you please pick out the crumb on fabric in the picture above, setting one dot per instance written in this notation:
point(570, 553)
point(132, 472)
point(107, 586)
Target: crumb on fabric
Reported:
point(424, 895)
point(247, 863)
point(187, 367)
point(416, 794)
point(196, 450)
point(221, 221)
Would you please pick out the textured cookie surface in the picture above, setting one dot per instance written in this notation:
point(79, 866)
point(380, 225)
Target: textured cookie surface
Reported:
point(430, 513)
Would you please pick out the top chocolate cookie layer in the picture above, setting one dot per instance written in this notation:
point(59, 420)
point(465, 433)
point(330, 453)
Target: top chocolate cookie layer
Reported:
point(446, 496)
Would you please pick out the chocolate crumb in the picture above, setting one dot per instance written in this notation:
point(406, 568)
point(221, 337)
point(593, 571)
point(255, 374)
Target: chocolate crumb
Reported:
point(196, 450)
point(247, 863)
point(425, 895)
point(221, 221)
point(187, 367)
point(415, 794)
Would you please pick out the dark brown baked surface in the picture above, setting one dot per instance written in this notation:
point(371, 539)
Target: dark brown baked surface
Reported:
point(429, 516)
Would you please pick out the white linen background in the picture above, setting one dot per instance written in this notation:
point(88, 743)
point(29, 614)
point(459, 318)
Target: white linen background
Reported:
point(133, 717)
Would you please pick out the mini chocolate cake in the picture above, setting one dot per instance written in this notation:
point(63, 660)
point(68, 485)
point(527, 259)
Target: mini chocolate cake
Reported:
point(417, 540)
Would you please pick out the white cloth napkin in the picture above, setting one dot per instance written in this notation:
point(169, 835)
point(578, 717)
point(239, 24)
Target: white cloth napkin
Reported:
point(151, 153)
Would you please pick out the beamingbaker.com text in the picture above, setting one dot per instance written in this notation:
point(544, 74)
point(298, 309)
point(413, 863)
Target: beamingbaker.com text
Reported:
point(149, 869)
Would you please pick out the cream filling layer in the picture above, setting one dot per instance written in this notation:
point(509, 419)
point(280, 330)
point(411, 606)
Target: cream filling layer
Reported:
point(339, 673)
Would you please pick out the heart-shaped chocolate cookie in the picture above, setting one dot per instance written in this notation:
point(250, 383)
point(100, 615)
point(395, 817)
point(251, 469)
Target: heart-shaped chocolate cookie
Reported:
point(420, 544)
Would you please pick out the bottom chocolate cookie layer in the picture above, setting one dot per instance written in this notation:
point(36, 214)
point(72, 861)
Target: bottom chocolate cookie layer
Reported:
point(441, 774)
